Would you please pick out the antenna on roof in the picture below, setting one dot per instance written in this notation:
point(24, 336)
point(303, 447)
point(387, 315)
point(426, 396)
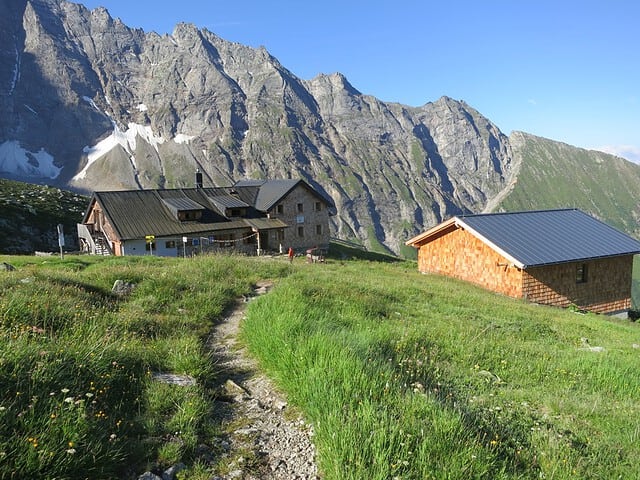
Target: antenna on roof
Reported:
point(198, 178)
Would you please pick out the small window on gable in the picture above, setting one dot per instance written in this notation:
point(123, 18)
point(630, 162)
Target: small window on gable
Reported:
point(300, 208)
point(280, 209)
point(581, 273)
point(318, 206)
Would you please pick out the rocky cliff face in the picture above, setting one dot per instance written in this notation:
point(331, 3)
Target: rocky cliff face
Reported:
point(88, 103)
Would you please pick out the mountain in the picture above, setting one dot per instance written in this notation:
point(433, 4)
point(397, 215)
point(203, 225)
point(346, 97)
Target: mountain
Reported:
point(87, 103)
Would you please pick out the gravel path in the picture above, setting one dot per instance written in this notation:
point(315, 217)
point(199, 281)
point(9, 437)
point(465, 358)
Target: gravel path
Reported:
point(264, 439)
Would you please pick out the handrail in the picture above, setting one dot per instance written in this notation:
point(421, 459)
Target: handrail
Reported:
point(84, 233)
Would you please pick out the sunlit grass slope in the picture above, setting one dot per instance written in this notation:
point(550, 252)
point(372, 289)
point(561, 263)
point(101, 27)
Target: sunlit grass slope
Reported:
point(413, 376)
point(77, 399)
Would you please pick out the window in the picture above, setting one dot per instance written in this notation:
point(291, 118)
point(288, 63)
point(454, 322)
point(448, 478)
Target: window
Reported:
point(280, 235)
point(318, 206)
point(280, 209)
point(318, 229)
point(300, 208)
point(301, 231)
point(170, 244)
point(581, 273)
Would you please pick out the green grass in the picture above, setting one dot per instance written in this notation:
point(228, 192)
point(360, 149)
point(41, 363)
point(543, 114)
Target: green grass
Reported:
point(411, 376)
point(77, 397)
point(402, 375)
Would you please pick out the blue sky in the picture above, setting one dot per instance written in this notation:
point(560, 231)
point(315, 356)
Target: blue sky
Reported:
point(565, 70)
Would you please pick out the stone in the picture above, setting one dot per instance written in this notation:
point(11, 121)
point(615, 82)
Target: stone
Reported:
point(122, 288)
point(6, 267)
point(170, 473)
point(149, 476)
point(174, 379)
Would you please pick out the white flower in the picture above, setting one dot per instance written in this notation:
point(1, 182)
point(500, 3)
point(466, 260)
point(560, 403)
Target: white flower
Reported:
point(71, 451)
point(65, 390)
point(68, 400)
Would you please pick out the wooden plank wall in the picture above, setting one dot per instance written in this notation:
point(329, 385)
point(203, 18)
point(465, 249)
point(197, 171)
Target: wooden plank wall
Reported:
point(459, 254)
point(607, 289)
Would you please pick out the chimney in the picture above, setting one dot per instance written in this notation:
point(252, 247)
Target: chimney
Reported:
point(198, 178)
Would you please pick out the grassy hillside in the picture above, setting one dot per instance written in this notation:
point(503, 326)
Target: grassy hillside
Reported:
point(403, 375)
point(411, 376)
point(557, 175)
point(29, 215)
point(77, 399)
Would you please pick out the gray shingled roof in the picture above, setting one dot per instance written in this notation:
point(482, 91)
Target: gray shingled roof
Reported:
point(137, 213)
point(270, 192)
point(265, 194)
point(549, 236)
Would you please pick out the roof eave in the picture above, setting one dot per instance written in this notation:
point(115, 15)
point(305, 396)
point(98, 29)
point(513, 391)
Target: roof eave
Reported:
point(420, 238)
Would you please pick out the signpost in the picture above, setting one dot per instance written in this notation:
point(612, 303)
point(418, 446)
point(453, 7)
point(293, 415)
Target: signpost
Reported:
point(61, 239)
point(150, 239)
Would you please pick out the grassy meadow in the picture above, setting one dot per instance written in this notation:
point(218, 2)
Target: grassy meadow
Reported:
point(416, 377)
point(403, 375)
point(77, 399)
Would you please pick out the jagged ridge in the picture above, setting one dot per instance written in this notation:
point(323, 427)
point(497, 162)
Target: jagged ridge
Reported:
point(116, 107)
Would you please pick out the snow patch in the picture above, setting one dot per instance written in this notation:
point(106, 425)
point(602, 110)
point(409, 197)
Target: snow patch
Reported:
point(142, 107)
point(90, 102)
point(16, 160)
point(182, 138)
point(126, 140)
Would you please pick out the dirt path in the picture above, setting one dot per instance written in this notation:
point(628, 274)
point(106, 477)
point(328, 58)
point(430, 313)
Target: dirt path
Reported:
point(261, 437)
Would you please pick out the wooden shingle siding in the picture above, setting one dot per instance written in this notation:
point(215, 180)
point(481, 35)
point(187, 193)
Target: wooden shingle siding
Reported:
point(461, 255)
point(607, 288)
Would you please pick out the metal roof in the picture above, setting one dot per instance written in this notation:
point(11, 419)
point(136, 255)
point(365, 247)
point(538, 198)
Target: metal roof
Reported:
point(227, 201)
point(182, 204)
point(137, 213)
point(270, 191)
point(265, 194)
point(542, 237)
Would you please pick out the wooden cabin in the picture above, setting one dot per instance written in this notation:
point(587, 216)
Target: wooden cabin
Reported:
point(552, 257)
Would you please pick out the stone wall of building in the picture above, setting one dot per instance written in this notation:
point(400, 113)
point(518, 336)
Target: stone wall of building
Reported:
point(307, 217)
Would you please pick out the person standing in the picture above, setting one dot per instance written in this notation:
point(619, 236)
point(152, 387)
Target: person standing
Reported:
point(291, 254)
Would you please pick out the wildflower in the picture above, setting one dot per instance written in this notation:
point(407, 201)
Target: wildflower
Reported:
point(68, 400)
point(65, 390)
point(89, 394)
point(71, 451)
